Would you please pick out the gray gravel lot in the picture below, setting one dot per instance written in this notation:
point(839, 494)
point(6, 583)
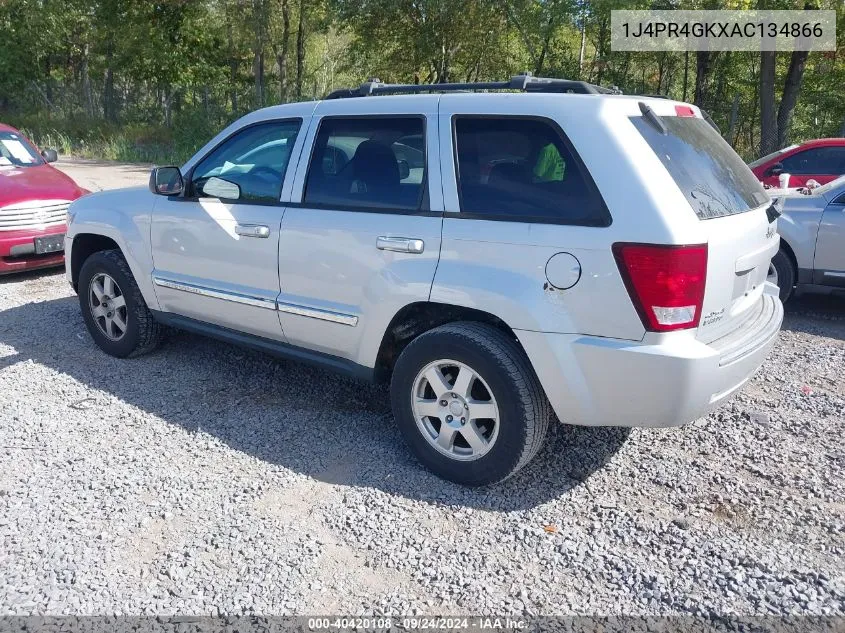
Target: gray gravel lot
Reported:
point(205, 479)
point(97, 175)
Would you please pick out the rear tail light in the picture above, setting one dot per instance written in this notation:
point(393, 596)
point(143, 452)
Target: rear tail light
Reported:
point(666, 283)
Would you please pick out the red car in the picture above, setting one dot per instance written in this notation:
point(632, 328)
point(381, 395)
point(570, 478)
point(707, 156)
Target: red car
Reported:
point(34, 198)
point(821, 160)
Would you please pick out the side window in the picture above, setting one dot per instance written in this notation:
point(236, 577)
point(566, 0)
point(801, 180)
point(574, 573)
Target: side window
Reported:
point(249, 166)
point(838, 156)
point(821, 160)
point(376, 163)
point(521, 169)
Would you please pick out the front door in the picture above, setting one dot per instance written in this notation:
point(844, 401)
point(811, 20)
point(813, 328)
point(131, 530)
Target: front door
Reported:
point(365, 239)
point(830, 244)
point(215, 247)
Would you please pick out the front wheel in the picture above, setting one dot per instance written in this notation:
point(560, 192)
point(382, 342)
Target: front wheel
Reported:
point(113, 307)
point(468, 403)
point(782, 274)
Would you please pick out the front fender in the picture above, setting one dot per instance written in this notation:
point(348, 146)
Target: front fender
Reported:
point(124, 216)
point(799, 228)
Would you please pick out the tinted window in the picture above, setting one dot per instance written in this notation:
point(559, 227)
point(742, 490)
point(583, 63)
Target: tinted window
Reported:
point(820, 160)
point(248, 166)
point(710, 174)
point(374, 163)
point(765, 159)
point(521, 169)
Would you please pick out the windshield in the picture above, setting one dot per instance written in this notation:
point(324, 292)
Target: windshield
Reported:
point(16, 151)
point(712, 177)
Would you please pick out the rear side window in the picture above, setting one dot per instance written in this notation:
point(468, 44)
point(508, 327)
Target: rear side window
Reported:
point(819, 160)
point(368, 163)
point(521, 169)
point(710, 174)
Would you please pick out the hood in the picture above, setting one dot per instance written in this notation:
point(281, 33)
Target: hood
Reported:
point(42, 182)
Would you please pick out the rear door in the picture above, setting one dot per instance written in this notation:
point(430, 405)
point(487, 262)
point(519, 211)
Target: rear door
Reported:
point(730, 206)
point(362, 238)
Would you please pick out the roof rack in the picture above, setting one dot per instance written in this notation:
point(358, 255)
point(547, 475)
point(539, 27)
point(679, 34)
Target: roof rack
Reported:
point(524, 83)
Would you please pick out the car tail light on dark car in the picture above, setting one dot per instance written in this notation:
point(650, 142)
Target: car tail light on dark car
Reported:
point(665, 282)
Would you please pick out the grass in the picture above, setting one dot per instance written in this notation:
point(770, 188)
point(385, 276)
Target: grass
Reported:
point(131, 143)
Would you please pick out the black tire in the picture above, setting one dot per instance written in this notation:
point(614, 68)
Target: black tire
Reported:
point(142, 332)
point(524, 410)
point(786, 274)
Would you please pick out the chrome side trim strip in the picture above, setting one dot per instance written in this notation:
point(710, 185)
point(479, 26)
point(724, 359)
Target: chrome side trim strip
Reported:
point(829, 273)
point(234, 297)
point(269, 304)
point(316, 313)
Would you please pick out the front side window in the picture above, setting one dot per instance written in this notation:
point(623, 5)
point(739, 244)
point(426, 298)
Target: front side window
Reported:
point(376, 163)
point(15, 151)
point(250, 166)
point(820, 160)
point(521, 169)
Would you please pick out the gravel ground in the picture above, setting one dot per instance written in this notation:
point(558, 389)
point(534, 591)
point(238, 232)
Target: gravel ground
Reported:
point(203, 479)
point(97, 175)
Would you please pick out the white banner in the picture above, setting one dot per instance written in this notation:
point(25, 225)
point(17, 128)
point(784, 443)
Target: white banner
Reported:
point(723, 30)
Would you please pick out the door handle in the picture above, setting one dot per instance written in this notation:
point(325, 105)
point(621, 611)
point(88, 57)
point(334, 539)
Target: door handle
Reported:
point(400, 244)
point(252, 230)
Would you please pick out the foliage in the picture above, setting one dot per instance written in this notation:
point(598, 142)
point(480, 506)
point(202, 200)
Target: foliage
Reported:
point(154, 80)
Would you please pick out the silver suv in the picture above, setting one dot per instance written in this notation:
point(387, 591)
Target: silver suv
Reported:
point(495, 257)
point(812, 245)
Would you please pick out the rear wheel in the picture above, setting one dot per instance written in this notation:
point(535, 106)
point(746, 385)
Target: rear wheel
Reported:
point(782, 274)
point(469, 404)
point(114, 309)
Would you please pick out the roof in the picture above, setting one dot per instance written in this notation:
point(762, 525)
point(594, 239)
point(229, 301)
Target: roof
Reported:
point(822, 142)
point(522, 83)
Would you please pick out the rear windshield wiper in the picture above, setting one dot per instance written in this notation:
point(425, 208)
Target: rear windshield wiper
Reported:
point(650, 116)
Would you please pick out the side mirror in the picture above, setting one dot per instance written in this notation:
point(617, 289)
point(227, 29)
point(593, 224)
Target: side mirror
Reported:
point(166, 181)
point(404, 169)
point(776, 169)
point(50, 155)
point(216, 187)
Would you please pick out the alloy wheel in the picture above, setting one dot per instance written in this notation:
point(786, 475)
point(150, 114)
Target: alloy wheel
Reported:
point(455, 410)
point(108, 306)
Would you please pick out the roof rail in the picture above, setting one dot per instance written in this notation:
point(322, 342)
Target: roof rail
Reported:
point(525, 83)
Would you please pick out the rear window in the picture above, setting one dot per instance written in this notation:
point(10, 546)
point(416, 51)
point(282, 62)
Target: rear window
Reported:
point(710, 174)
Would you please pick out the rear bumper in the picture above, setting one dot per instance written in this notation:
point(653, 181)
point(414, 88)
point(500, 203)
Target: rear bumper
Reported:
point(17, 255)
point(666, 382)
